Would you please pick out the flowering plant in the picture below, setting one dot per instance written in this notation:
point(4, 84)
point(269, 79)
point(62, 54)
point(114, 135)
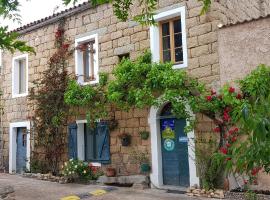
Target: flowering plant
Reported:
point(77, 170)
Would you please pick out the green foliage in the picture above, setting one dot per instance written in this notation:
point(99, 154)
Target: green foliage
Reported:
point(50, 113)
point(92, 98)
point(38, 166)
point(254, 151)
point(9, 9)
point(77, 170)
point(209, 168)
point(206, 6)
point(9, 41)
point(249, 152)
point(256, 84)
point(250, 195)
point(141, 83)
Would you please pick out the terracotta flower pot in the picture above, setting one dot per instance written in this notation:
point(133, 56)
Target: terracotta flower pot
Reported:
point(110, 172)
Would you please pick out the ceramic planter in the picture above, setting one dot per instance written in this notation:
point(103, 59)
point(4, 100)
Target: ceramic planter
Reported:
point(145, 167)
point(125, 140)
point(144, 135)
point(110, 172)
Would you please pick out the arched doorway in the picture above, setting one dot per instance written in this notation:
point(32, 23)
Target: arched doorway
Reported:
point(174, 149)
point(173, 159)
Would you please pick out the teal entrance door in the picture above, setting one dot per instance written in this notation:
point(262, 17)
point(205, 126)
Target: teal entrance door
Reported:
point(21, 150)
point(174, 145)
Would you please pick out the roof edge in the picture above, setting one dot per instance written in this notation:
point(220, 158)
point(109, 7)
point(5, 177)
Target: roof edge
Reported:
point(53, 18)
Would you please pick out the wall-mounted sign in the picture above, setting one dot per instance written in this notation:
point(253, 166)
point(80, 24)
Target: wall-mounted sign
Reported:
point(168, 133)
point(183, 139)
point(167, 128)
point(169, 144)
point(167, 123)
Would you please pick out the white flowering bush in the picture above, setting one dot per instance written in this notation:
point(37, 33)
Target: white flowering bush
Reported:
point(75, 170)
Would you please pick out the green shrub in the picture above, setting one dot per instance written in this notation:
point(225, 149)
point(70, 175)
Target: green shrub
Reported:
point(77, 170)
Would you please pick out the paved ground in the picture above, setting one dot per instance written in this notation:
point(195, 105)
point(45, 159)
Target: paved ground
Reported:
point(32, 189)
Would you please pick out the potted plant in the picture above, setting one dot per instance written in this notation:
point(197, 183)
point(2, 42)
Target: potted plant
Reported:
point(142, 159)
point(144, 135)
point(113, 124)
point(125, 139)
point(110, 172)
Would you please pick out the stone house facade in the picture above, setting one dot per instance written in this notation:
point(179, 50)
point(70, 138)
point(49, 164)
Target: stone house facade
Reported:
point(206, 42)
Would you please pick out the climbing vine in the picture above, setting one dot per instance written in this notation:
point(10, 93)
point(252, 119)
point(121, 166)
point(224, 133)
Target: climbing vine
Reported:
point(50, 113)
point(141, 84)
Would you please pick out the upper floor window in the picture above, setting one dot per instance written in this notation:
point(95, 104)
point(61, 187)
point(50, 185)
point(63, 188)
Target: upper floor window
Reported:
point(19, 76)
point(171, 48)
point(168, 40)
point(86, 59)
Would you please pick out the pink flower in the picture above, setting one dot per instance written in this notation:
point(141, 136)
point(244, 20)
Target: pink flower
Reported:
point(239, 96)
point(234, 139)
point(226, 116)
point(231, 89)
point(217, 129)
point(209, 98)
point(223, 150)
point(65, 46)
point(228, 145)
point(213, 92)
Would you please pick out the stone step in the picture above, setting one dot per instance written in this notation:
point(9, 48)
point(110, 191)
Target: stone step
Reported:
point(137, 181)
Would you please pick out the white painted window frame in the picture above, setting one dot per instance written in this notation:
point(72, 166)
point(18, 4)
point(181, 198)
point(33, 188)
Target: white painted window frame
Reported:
point(81, 142)
point(14, 83)
point(156, 175)
point(154, 35)
point(13, 144)
point(78, 59)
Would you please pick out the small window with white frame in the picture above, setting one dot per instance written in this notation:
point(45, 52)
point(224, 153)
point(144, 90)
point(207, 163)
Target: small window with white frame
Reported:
point(20, 76)
point(168, 39)
point(86, 59)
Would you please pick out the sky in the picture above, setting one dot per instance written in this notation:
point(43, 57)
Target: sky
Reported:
point(32, 10)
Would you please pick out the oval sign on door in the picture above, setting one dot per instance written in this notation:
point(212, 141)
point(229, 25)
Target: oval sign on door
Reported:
point(169, 144)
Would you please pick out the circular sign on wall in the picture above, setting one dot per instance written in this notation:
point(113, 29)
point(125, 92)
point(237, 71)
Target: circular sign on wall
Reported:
point(169, 144)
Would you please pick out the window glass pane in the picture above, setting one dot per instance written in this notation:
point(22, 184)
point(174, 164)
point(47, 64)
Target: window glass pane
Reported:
point(177, 26)
point(89, 143)
point(86, 63)
point(166, 43)
point(91, 61)
point(167, 56)
point(165, 29)
point(178, 40)
point(178, 55)
point(22, 76)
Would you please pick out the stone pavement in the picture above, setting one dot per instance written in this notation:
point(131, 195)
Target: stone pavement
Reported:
point(32, 189)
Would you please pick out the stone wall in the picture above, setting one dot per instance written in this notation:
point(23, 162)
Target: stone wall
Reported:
point(242, 48)
point(117, 38)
